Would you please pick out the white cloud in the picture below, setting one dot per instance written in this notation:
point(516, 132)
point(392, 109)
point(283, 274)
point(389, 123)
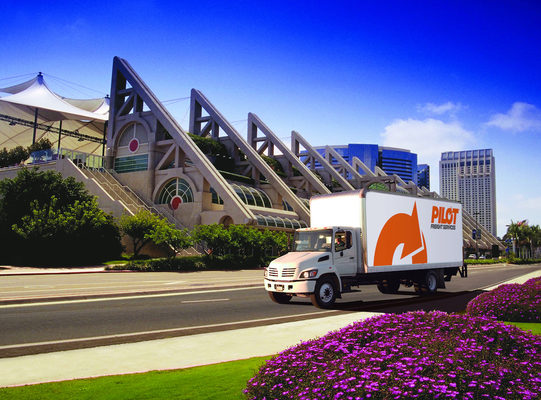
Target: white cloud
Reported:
point(521, 117)
point(517, 208)
point(428, 138)
point(431, 108)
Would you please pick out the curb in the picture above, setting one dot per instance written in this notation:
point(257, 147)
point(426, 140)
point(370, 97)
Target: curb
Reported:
point(124, 294)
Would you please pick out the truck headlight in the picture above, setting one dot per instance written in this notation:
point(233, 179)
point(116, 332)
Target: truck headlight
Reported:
point(265, 272)
point(309, 274)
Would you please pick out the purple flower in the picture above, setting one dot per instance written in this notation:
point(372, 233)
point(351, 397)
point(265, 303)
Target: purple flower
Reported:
point(412, 355)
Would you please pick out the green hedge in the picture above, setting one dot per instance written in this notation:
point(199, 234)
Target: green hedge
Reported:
point(511, 260)
point(193, 263)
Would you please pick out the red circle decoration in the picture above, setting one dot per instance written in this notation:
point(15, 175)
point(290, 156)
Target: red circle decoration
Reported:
point(175, 202)
point(134, 145)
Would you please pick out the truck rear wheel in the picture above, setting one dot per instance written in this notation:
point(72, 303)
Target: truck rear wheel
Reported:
point(324, 294)
point(280, 298)
point(427, 283)
point(389, 286)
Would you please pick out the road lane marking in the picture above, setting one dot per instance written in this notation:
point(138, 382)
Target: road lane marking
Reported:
point(203, 301)
point(113, 285)
point(143, 296)
point(78, 340)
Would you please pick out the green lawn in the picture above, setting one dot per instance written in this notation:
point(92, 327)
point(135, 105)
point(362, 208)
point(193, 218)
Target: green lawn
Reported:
point(528, 326)
point(219, 381)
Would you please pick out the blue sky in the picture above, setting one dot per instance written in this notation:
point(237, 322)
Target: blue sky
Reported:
point(418, 75)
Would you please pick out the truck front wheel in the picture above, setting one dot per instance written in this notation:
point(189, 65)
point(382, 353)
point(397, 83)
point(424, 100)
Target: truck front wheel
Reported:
point(280, 298)
point(324, 294)
point(427, 283)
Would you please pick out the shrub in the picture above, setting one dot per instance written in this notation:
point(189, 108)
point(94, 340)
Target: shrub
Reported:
point(179, 264)
point(412, 355)
point(511, 302)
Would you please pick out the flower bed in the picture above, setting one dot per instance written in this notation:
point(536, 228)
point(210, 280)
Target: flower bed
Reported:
point(413, 355)
point(513, 302)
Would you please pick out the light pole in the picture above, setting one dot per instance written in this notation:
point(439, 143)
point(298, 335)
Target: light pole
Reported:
point(476, 234)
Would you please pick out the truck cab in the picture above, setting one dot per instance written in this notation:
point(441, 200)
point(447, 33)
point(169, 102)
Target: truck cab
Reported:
point(319, 260)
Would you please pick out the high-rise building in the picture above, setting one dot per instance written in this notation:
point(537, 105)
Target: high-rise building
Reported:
point(470, 177)
point(392, 160)
point(423, 175)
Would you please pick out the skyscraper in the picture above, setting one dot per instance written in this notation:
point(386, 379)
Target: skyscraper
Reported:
point(423, 175)
point(392, 160)
point(470, 177)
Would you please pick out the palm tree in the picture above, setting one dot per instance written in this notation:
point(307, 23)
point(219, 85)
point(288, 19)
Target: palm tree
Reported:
point(524, 235)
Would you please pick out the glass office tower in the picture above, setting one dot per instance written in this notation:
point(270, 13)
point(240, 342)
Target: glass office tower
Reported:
point(423, 175)
point(391, 160)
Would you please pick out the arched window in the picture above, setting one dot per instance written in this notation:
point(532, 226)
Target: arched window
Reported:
point(132, 135)
point(252, 196)
point(216, 199)
point(268, 220)
point(176, 192)
point(132, 152)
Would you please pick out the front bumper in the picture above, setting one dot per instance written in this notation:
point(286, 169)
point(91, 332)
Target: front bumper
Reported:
point(292, 287)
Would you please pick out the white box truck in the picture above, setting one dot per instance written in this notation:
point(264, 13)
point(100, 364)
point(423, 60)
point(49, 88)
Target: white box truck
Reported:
point(370, 237)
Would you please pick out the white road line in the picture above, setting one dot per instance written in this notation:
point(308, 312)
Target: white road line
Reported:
point(113, 285)
point(11, 346)
point(203, 301)
point(46, 303)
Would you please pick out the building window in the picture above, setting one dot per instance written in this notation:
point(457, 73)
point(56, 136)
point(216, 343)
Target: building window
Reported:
point(131, 163)
point(279, 222)
point(175, 192)
point(252, 196)
point(216, 199)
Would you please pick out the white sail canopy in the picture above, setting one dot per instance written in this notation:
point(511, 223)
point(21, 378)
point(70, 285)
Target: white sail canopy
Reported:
point(50, 106)
point(84, 116)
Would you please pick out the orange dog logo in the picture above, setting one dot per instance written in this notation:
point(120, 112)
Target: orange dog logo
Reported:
point(401, 229)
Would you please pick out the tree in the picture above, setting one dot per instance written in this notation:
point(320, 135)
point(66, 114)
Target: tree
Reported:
point(19, 154)
point(17, 194)
point(79, 232)
point(42, 144)
point(139, 227)
point(245, 240)
point(167, 235)
point(216, 237)
point(524, 235)
point(47, 219)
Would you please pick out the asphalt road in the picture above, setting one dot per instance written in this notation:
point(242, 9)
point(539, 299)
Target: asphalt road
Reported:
point(58, 325)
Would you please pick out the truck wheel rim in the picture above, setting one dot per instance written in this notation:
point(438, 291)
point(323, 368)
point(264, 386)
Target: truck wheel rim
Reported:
point(431, 282)
point(326, 292)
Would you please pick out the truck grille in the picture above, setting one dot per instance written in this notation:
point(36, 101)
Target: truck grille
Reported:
point(286, 272)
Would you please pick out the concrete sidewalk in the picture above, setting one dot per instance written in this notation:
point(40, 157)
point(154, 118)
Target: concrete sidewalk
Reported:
point(173, 353)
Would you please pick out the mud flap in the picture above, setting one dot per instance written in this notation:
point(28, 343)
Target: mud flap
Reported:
point(463, 271)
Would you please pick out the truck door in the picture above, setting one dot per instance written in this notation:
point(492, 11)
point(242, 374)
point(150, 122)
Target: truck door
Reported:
point(344, 253)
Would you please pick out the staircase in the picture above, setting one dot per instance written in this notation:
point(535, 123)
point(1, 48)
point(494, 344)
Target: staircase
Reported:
point(130, 200)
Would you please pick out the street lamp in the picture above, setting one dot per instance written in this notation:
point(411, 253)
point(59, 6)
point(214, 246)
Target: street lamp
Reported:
point(476, 234)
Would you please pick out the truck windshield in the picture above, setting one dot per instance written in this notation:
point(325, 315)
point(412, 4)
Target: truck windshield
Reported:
point(313, 240)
